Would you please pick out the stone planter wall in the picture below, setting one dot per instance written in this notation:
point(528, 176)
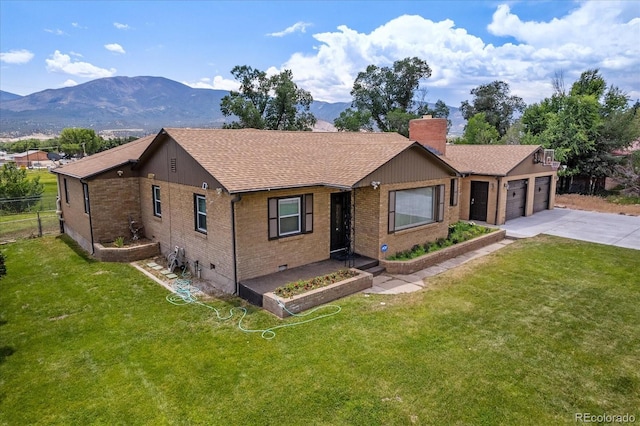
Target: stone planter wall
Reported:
point(406, 267)
point(126, 254)
point(319, 296)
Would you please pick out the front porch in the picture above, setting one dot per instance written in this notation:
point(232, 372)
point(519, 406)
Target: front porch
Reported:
point(252, 290)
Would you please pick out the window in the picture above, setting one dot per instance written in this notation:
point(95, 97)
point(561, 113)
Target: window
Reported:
point(66, 191)
point(157, 205)
point(453, 198)
point(414, 207)
point(290, 216)
point(85, 192)
point(201, 213)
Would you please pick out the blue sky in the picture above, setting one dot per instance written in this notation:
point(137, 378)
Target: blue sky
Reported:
point(52, 44)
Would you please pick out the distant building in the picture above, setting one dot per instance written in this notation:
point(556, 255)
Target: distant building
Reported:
point(33, 159)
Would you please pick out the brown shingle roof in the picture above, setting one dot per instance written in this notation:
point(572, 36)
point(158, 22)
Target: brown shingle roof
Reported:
point(249, 160)
point(491, 160)
point(106, 160)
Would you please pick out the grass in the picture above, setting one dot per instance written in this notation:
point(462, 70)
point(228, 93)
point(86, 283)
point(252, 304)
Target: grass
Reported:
point(531, 334)
point(459, 232)
point(24, 225)
point(48, 179)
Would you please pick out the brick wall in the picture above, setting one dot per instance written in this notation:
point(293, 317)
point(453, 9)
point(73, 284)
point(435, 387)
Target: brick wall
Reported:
point(367, 221)
point(317, 297)
point(76, 221)
point(407, 238)
point(112, 202)
point(257, 255)
point(431, 259)
point(213, 251)
point(430, 132)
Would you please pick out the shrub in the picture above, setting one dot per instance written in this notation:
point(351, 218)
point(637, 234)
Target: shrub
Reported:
point(459, 232)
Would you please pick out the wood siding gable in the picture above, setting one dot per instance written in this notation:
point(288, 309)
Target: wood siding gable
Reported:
point(167, 161)
point(411, 165)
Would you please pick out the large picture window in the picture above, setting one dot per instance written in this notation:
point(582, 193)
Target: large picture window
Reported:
point(201, 213)
point(409, 208)
point(157, 204)
point(290, 216)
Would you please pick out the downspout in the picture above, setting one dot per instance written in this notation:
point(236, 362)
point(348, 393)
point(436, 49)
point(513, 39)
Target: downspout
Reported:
point(499, 189)
point(237, 198)
point(93, 250)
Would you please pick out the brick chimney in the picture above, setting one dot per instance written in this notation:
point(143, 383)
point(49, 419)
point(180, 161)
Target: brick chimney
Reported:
point(430, 132)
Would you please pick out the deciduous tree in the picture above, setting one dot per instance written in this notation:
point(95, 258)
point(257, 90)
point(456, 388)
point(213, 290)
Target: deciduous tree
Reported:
point(495, 101)
point(479, 132)
point(17, 191)
point(263, 102)
point(584, 127)
point(79, 141)
point(384, 98)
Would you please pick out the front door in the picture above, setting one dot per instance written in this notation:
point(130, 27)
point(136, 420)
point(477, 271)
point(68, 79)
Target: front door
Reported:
point(479, 197)
point(340, 221)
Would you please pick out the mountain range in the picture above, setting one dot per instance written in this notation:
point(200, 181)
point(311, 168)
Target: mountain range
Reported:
point(132, 106)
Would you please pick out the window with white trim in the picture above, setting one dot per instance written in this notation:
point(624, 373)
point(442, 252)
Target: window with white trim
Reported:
point(409, 208)
point(157, 204)
point(290, 216)
point(200, 208)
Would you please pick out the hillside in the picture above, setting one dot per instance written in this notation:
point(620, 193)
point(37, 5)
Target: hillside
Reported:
point(124, 106)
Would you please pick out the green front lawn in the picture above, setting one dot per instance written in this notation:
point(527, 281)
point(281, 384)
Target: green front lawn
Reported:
point(531, 334)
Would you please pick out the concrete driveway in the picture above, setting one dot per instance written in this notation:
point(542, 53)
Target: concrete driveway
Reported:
point(604, 228)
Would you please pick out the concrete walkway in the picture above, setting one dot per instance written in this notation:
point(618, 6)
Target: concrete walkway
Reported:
point(396, 284)
point(604, 228)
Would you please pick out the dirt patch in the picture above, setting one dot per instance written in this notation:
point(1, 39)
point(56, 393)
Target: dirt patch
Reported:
point(595, 204)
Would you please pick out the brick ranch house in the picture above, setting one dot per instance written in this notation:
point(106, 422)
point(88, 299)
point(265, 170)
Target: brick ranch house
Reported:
point(247, 203)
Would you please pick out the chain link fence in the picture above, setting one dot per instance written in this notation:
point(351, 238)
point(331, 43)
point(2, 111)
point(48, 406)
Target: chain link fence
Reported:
point(28, 217)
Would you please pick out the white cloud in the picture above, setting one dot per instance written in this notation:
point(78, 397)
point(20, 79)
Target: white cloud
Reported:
point(69, 83)
point(595, 35)
point(114, 47)
point(16, 56)
point(298, 26)
point(59, 62)
point(78, 26)
point(217, 83)
point(120, 26)
point(56, 31)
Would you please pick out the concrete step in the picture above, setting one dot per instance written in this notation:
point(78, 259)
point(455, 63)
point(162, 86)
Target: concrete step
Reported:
point(376, 270)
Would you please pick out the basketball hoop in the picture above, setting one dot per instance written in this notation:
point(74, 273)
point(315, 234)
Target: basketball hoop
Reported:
point(555, 165)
